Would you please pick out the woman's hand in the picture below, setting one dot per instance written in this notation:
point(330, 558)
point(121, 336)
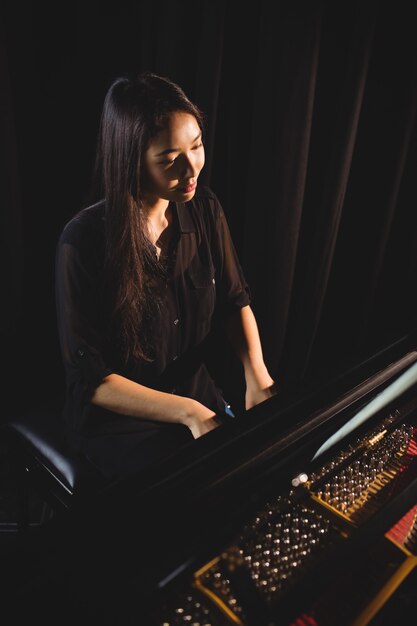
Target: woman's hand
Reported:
point(255, 394)
point(242, 331)
point(202, 420)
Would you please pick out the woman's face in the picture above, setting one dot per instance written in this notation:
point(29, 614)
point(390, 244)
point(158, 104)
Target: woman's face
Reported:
point(173, 160)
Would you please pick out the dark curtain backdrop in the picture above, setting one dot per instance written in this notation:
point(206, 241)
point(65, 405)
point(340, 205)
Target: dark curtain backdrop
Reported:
point(311, 148)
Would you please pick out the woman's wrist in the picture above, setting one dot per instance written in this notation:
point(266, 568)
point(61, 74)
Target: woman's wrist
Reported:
point(257, 376)
point(194, 411)
point(185, 410)
point(198, 418)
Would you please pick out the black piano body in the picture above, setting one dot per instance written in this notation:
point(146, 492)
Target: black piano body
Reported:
point(283, 517)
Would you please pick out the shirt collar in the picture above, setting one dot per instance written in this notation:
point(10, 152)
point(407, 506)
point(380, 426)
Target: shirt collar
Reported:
point(185, 221)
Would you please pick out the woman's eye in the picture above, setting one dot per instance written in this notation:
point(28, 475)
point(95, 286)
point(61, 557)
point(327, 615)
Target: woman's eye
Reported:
point(170, 162)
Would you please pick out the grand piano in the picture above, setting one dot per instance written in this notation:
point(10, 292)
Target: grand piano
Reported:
point(299, 512)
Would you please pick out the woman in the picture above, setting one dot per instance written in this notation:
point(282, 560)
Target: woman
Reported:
point(141, 279)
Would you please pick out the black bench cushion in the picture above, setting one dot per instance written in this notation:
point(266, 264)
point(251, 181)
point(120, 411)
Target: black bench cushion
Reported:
point(43, 437)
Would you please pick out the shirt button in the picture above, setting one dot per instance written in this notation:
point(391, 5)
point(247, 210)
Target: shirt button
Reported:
point(176, 321)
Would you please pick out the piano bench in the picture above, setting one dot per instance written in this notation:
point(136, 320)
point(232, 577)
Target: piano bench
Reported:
point(41, 464)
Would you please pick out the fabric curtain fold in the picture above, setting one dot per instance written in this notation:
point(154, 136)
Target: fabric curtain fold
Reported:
point(311, 148)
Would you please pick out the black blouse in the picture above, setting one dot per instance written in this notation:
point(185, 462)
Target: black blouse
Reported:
point(204, 283)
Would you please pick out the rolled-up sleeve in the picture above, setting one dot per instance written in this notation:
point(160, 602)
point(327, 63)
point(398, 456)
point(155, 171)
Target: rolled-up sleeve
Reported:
point(233, 291)
point(78, 300)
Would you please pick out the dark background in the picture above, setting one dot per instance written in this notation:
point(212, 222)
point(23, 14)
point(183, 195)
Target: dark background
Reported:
point(311, 149)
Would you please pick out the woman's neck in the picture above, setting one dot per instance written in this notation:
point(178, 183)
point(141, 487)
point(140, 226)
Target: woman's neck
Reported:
point(159, 222)
point(157, 211)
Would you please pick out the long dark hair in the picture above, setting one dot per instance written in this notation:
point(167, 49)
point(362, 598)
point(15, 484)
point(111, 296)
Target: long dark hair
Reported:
point(135, 110)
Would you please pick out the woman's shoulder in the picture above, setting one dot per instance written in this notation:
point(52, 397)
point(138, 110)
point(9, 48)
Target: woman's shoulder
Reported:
point(86, 224)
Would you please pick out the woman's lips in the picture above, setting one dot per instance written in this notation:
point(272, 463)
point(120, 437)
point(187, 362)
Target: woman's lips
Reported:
point(189, 188)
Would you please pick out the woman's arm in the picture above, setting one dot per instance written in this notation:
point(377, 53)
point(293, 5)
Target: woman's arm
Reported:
point(242, 331)
point(121, 395)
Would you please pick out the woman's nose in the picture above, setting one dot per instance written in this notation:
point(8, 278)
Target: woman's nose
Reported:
point(189, 168)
